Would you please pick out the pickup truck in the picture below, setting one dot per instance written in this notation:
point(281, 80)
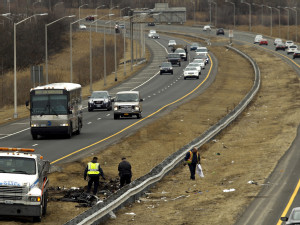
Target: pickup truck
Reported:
point(174, 58)
point(23, 183)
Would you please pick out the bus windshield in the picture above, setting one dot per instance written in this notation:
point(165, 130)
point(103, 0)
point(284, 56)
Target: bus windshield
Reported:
point(17, 165)
point(49, 105)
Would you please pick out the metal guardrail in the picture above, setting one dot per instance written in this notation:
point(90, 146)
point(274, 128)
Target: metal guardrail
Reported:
point(100, 212)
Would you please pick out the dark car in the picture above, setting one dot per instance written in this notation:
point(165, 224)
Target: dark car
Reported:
point(194, 46)
point(166, 67)
point(280, 46)
point(99, 100)
point(90, 18)
point(220, 31)
point(296, 54)
point(151, 24)
point(174, 58)
point(155, 36)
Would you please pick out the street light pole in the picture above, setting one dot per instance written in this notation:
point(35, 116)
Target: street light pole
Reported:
point(271, 21)
point(295, 10)
point(97, 15)
point(233, 12)
point(288, 32)
point(216, 12)
point(109, 17)
point(15, 60)
point(46, 43)
point(79, 11)
point(278, 10)
point(242, 1)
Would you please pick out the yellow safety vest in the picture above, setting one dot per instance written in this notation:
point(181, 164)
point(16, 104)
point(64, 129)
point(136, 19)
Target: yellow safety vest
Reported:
point(189, 161)
point(93, 168)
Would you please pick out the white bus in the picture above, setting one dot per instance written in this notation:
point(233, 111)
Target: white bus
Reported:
point(55, 109)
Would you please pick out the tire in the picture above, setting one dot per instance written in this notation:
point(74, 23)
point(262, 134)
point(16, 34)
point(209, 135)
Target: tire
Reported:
point(138, 116)
point(197, 77)
point(179, 64)
point(160, 73)
point(90, 109)
point(79, 127)
point(70, 131)
point(34, 136)
point(171, 72)
point(184, 78)
point(116, 117)
point(38, 218)
point(45, 199)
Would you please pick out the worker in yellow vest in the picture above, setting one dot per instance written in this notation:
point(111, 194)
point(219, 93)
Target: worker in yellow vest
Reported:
point(93, 171)
point(192, 158)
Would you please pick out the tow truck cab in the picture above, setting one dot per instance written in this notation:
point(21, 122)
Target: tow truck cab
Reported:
point(23, 183)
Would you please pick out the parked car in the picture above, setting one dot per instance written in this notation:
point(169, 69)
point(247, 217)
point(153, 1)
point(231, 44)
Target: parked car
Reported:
point(127, 104)
point(294, 217)
point(182, 53)
point(257, 38)
point(288, 43)
point(207, 28)
point(194, 46)
point(171, 43)
point(99, 100)
point(151, 32)
point(296, 54)
point(190, 72)
point(155, 36)
point(280, 46)
point(277, 41)
point(220, 31)
point(166, 67)
point(291, 49)
point(263, 41)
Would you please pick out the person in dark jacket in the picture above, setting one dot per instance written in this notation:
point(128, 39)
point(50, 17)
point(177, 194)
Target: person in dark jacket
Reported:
point(93, 171)
point(125, 173)
point(192, 158)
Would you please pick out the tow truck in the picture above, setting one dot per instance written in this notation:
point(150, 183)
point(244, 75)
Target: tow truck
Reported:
point(23, 183)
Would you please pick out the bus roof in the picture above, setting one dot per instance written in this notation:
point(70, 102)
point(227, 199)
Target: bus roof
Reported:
point(66, 86)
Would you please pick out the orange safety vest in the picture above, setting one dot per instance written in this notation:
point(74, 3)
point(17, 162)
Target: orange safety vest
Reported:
point(189, 161)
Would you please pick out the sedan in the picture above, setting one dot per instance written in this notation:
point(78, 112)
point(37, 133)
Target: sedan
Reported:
point(280, 46)
point(99, 100)
point(207, 28)
point(220, 31)
point(196, 65)
point(288, 43)
point(166, 67)
point(155, 36)
point(191, 72)
point(171, 43)
point(202, 56)
point(291, 49)
point(263, 41)
point(294, 217)
point(201, 50)
point(296, 54)
point(194, 46)
point(277, 41)
point(200, 61)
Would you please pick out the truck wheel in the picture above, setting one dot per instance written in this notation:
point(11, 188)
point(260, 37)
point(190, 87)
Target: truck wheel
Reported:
point(179, 64)
point(79, 127)
point(38, 218)
point(70, 131)
point(116, 117)
point(138, 116)
point(45, 201)
point(34, 136)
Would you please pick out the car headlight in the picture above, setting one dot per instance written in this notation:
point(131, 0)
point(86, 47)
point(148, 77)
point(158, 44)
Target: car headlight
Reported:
point(136, 108)
point(35, 198)
point(34, 125)
point(116, 108)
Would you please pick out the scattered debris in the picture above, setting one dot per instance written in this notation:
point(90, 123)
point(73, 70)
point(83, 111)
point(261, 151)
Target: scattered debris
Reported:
point(252, 182)
point(131, 214)
point(229, 190)
point(112, 215)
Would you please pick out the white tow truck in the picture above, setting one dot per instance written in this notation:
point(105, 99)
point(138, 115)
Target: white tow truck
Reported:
point(23, 183)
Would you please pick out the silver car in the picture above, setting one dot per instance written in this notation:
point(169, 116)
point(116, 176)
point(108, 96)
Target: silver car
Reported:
point(127, 104)
point(294, 217)
point(99, 100)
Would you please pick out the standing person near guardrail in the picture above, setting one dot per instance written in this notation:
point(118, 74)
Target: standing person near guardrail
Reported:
point(93, 171)
point(192, 158)
point(125, 173)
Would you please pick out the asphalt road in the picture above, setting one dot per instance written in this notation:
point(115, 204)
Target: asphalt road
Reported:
point(160, 92)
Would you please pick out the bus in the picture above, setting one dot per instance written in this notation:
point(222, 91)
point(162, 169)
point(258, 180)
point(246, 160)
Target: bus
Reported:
point(55, 109)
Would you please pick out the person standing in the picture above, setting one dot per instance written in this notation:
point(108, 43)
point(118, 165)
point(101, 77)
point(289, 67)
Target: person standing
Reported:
point(192, 158)
point(93, 171)
point(125, 173)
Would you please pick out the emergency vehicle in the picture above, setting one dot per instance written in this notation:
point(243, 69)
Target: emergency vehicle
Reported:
point(23, 183)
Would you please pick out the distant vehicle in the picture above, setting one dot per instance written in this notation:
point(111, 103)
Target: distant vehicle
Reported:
point(201, 62)
point(24, 183)
point(203, 56)
point(201, 50)
point(127, 104)
point(288, 43)
point(257, 38)
point(55, 109)
point(155, 36)
point(171, 43)
point(280, 46)
point(291, 49)
point(151, 32)
point(90, 18)
point(294, 217)
point(182, 53)
point(263, 41)
point(99, 100)
point(166, 67)
point(174, 58)
point(220, 31)
point(190, 72)
point(82, 27)
point(296, 54)
point(206, 28)
point(196, 65)
point(151, 24)
point(194, 46)
point(277, 41)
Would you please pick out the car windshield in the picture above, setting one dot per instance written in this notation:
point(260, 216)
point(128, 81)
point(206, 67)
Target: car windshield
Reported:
point(17, 165)
point(172, 42)
point(49, 105)
point(166, 64)
point(296, 215)
point(174, 56)
point(293, 46)
point(190, 68)
point(194, 64)
point(127, 97)
point(194, 44)
point(180, 51)
point(201, 50)
point(99, 95)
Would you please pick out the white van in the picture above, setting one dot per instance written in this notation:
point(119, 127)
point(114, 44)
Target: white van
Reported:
point(258, 38)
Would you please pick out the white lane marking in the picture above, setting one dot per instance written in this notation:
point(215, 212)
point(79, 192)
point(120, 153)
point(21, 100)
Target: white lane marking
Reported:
point(108, 115)
point(89, 122)
point(149, 96)
point(99, 119)
point(8, 135)
point(35, 145)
